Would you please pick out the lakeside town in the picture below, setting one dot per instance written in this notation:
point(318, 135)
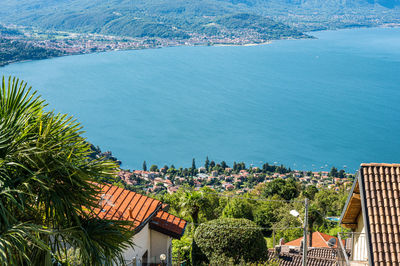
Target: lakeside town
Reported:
point(60, 43)
point(221, 177)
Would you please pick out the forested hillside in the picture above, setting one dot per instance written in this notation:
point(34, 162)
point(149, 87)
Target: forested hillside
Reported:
point(180, 18)
point(13, 51)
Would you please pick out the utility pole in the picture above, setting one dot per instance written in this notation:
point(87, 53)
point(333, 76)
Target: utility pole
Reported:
point(273, 237)
point(305, 242)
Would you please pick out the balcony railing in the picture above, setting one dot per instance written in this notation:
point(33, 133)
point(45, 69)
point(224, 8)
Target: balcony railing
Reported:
point(352, 249)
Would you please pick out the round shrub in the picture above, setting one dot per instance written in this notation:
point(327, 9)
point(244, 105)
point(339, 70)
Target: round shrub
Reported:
point(229, 238)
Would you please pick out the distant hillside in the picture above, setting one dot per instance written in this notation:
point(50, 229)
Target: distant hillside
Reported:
point(180, 18)
point(13, 51)
point(244, 23)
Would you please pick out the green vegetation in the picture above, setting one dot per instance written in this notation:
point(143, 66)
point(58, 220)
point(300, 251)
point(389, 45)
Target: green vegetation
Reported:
point(226, 239)
point(153, 168)
point(265, 205)
point(266, 28)
point(180, 18)
point(238, 208)
point(286, 189)
point(47, 189)
point(13, 51)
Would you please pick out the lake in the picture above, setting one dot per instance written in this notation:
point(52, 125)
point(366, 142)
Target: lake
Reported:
point(308, 104)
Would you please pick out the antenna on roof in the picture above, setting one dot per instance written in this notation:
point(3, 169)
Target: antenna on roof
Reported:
point(332, 242)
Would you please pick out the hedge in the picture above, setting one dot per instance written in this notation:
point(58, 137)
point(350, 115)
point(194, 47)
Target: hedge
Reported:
point(230, 239)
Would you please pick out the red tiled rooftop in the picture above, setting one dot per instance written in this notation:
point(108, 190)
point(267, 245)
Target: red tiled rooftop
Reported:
point(121, 204)
point(319, 240)
point(116, 203)
point(168, 224)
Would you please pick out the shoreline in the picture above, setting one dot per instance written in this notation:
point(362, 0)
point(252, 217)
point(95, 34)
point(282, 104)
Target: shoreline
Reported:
point(141, 48)
point(246, 44)
point(389, 25)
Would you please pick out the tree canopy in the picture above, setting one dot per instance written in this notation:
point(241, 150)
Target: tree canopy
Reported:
point(47, 187)
point(228, 238)
point(287, 189)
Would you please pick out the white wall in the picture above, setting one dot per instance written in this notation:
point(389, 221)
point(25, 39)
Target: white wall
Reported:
point(153, 242)
point(360, 252)
point(141, 244)
point(159, 245)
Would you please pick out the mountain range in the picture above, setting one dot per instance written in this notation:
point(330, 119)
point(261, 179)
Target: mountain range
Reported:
point(180, 18)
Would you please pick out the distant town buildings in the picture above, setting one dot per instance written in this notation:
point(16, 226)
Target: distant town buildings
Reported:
point(227, 180)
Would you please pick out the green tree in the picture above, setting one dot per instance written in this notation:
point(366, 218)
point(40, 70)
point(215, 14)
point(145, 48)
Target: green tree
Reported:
point(212, 209)
point(193, 164)
point(285, 223)
point(144, 166)
point(334, 172)
point(329, 202)
point(47, 187)
point(193, 169)
point(191, 204)
point(230, 239)
point(342, 174)
point(287, 189)
point(224, 165)
point(266, 214)
point(235, 166)
point(207, 164)
point(212, 164)
point(310, 191)
point(153, 168)
point(238, 208)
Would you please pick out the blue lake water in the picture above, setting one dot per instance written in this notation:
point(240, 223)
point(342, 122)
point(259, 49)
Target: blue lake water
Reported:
point(307, 104)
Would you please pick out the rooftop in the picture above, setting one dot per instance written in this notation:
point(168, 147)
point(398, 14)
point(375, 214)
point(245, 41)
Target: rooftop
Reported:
point(376, 193)
point(121, 204)
point(319, 240)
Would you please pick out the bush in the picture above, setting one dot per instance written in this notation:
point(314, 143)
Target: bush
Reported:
point(238, 208)
point(237, 240)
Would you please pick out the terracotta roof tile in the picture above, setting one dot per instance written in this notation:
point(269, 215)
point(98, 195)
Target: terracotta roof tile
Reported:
point(121, 204)
point(381, 184)
point(315, 257)
point(319, 240)
point(168, 224)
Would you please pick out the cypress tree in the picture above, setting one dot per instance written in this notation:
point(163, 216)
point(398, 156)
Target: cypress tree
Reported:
point(212, 165)
point(193, 164)
point(207, 163)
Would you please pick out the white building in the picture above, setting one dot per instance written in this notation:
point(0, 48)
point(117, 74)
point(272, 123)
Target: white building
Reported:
point(154, 227)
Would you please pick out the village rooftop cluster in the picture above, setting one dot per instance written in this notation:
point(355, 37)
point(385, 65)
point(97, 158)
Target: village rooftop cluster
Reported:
point(228, 179)
point(83, 43)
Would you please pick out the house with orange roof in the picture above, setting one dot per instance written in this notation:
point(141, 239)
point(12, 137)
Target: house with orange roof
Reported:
point(153, 226)
point(317, 240)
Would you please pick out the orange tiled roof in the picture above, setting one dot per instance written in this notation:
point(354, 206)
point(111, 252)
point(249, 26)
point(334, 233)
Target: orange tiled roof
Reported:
point(121, 204)
point(168, 224)
point(319, 240)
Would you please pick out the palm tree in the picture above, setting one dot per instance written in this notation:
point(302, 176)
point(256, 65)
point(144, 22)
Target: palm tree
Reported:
point(47, 187)
point(192, 202)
